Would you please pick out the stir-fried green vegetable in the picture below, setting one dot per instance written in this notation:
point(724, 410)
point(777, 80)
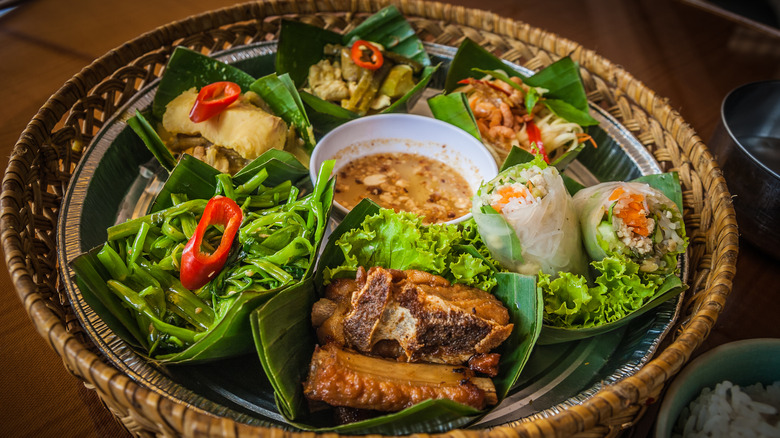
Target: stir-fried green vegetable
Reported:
point(139, 265)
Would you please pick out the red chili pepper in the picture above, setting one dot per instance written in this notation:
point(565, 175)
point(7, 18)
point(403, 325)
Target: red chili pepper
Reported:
point(535, 138)
point(367, 55)
point(198, 268)
point(213, 99)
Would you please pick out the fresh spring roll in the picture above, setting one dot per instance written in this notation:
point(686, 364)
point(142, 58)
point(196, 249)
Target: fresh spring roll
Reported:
point(634, 220)
point(536, 227)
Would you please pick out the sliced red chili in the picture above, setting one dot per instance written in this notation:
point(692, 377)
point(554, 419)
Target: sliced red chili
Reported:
point(366, 55)
point(197, 267)
point(213, 99)
point(535, 138)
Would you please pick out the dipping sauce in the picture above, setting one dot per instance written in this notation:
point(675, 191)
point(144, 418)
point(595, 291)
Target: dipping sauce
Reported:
point(405, 182)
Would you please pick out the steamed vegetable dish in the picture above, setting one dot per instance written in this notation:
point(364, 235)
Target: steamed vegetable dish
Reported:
point(379, 66)
point(363, 78)
point(232, 137)
point(222, 115)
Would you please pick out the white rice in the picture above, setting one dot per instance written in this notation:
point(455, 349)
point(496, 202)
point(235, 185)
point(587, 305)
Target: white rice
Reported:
point(731, 411)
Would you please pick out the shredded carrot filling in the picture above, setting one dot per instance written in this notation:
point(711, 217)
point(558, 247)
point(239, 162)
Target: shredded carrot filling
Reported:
point(616, 194)
point(508, 193)
point(583, 137)
point(632, 213)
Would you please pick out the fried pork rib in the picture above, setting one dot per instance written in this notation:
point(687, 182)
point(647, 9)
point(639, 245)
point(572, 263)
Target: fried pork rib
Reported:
point(342, 378)
point(412, 316)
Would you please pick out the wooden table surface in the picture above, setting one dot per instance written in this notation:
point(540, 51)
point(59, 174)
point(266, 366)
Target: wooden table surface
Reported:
point(689, 56)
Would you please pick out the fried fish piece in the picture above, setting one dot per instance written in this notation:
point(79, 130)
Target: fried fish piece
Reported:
point(411, 316)
point(342, 378)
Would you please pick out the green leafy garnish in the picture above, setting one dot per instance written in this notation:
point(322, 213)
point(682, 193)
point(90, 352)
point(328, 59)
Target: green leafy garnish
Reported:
point(620, 293)
point(408, 244)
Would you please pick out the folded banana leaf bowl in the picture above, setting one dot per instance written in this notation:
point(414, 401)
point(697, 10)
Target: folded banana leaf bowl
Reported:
point(91, 171)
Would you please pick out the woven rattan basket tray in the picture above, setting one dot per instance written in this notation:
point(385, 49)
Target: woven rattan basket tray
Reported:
point(51, 145)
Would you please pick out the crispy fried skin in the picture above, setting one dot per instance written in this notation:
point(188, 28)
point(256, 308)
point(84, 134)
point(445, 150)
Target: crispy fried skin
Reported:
point(411, 316)
point(342, 378)
point(485, 363)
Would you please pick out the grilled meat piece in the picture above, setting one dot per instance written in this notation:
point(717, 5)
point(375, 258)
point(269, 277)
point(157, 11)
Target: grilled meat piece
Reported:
point(342, 378)
point(410, 316)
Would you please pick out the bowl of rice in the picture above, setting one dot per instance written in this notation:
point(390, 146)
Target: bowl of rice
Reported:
point(732, 390)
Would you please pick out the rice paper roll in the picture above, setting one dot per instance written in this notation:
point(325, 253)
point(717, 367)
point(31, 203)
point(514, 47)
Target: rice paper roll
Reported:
point(631, 219)
point(527, 219)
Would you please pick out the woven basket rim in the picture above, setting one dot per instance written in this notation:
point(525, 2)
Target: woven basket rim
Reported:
point(173, 417)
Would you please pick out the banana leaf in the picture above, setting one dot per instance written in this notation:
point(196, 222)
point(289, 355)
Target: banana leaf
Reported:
point(186, 69)
point(390, 29)
point(325, 115)
point(668, 286)
point(454, 108)
point(285, 341)
point(227, 328)
point(301, 45)
point(668, 183)
point(281, 96)
point(517, 292)
point(141, 126)
point(518, 156)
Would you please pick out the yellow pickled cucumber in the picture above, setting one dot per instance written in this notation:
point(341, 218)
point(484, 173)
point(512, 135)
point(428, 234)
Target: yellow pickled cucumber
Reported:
point(398, 82)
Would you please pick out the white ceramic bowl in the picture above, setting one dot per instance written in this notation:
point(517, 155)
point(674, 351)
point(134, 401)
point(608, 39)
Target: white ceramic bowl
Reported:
point(406, 133)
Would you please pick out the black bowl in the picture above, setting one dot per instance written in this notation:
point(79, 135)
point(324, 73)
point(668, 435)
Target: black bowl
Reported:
point(746, 143)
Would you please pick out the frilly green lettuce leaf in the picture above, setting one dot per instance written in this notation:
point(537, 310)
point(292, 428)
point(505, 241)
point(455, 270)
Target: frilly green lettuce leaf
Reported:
point(620, 293)
point(401, 241)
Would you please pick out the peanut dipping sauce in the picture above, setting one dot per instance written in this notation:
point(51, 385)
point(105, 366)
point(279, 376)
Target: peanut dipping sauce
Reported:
point(405, 182)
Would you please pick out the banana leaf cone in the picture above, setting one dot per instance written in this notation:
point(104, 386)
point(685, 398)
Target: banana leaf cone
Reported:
point(285, 340)
point(188, 69)
point(617, 286)
point(620, 292)
point(560, 84)
point(302, 45)
point(132, 281)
